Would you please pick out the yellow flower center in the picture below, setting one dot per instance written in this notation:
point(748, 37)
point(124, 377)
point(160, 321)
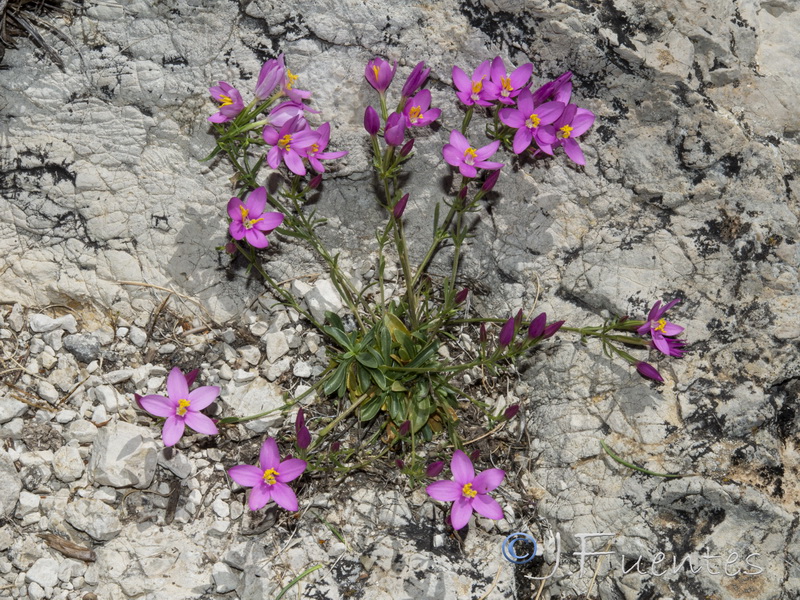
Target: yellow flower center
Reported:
point(291, 79)
point(415, 114)
point(470, 154)
point(183, 407)
point(533, 121)
point(564, 132)
point(225, 100)
point(248, 223)
point(477, 86)
point(468, 491)
point(375, 71)
point(313, 149)
point(661, 324)
point(269, 476)
point(507, 87)
point(285, 141)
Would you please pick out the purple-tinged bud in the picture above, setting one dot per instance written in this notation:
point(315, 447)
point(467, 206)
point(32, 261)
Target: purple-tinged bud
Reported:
point(336, 446)
point(395, 131)
point(536, 328)
point(476, 454)
point(482, 336)
point(491, 180)
point(400, 207)
point(272, 74)
point(649, 371)
point(379, 74)
point(507, 333)
point(372, 122)
point(405, 428)
point(518, 319)
point(407, 147)
point(415, 80)
point(462, 295)
point(511, 412)
point(191, 376)
point(462, 193)
point(551, 329)
point(303, 438)
point(314, 183)
point(434, 468)
point(400, 464)
point(230, 248)
point(300, 420)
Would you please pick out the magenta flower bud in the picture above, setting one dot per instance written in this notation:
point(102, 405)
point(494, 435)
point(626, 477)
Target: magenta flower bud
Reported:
point(415, 79)
point(434, 468)
point(511, 412)
point(507, 333)
point(482, 336)
point(462, 193)
point(649, 371)
point(536, 328)
point(191, 376)
point(475, 455)
point(230, 248)
point(462, 295)
point(398, 211)
point(300, 420)
point(270, 77)
point(400, 464)
point(490, 182)
point(405, 428)
point(303, 438)
point(404, 151)
point(372, 122)
point(314, 183)
point(551, 329)
point(336, 446)
point(518, 319)
point(379, 73)
point(395, 131)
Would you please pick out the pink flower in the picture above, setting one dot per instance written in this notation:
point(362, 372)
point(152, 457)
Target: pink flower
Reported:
point(471, 91)
point(289, 145)
point(288, 87)
point(269, 480)
point(272, 73)
point(249, 221)
point(460, 153)
point(286, 111)
point(417, 111)
point(379, 74)
point(658, 327)
point(468, 492)
point(532, 122)
point(181, 408)
point(560, 90)
point(315, 152)
point(415, 79)
point(230, 100)
point(503, 86)
point(572, 123)
point(395, 131)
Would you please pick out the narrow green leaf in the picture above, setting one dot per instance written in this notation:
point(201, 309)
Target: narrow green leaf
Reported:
point(334, 320)
point(640, 469)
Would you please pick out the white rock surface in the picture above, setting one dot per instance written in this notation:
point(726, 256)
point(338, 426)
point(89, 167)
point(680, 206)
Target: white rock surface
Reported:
point(123, 455)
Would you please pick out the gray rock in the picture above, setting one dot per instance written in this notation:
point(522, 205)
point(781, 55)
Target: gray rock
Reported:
point(137, 336)
point(10, 485)
point(44, 572)
point(109, 397)
point(94, 517)
point(123, 455)
point(178, 463)
point(10, 408)
point(225, 579)
point(47, 392)
point(83, 346)
point(28, 503)
point(67, 463)
point(301, 369)
point(40, 323)
point(323, 297)
point(276, 344)
point(254, 398)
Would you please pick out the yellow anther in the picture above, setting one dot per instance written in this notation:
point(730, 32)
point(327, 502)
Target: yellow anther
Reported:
point(507, 87)
point(468, 491)
point(225, 100)
point(244, 212)
point(415, 114)
point(375, 71)
point(477, 86)
point(470, 154)
point(313, 149)
point(183, 407)
point(533, 120)
point(291, 77)
point(248, 223)
point(564, 132)
point(269, 476)
point(661, 324)
point(285, 141)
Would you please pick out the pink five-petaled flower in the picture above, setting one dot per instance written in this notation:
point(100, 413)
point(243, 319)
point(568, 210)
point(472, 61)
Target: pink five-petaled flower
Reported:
point(418, 112)
point(379, 73)
point(572, 123)
point(532, 122)
point(181, 408)
point(504, 86)
point(460, 153)
point(468, 492)
point(315, 152)
point(269, 480)
point(249, 221)
point(657, 326)
point(230, 100)
point(289, 144)
point(471, 91)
